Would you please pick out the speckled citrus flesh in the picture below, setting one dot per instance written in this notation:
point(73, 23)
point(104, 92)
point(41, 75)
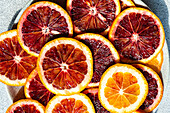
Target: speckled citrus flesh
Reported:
point(155, 87)
point(65, 66)
point(138, 35)
point(40, 23)
point(77, 103)
point(126, 4)
point(93, 15)
point(122, 89)
point(15, 63)
point(34, 89)
point(26, 106)
point(92, 93)
point(104, 54)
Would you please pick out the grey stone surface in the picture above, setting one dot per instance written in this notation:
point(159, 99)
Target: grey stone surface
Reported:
point(9, 8)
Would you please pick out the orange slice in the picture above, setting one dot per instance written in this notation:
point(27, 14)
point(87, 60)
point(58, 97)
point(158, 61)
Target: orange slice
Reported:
point(93, 15)
point(26, 106)
point(15, 63)
point(138, 35)
point(34, 89)
point(77, 103)
point(126, 4)
point(40, 23)
point(65, 66)
point(122, 89)
point(104, 54)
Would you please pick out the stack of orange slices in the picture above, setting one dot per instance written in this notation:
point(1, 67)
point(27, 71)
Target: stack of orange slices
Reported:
point(56, 69)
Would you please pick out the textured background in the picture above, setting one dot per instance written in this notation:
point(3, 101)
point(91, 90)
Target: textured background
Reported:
point(9, 9)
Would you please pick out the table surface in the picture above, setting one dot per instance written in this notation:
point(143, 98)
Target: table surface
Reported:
point(9, 9)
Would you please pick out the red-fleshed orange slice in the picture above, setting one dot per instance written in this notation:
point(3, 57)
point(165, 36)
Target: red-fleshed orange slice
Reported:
point(126, 4)
point(15, 63)
point(138, 35)
point(65, 66)
point(41, 22)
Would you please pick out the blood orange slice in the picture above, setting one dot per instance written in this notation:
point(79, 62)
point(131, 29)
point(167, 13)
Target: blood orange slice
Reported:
point(77, 103)
point(15, 63)
point(126, 4)
point(40, 23)
point(155, 87)
point(104, 54)
point(65, 66)
point(34, 89)
point(93, 15)
point(26, 106)
point(122, 89)
point(138, 35)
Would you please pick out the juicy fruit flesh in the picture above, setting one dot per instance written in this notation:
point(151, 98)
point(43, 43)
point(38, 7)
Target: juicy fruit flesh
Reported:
point(93, 15)
point(102, 57)
point(38, 91)
point(26, 109)
point(137, 36)
point(64, 66)
point(122, 90)
point(15, 63)
point(70, 105)
point(42, 25)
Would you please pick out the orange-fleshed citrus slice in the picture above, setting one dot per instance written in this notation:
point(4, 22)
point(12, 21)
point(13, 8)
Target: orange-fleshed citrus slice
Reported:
point(34, 89)
point(40, 23)
point(65, 66)
point(138, 35)
point(15, 63)
point(26, 106)
point(155, 87)
point(122, 89)
point(77, 103)
point(104, 54)
point(93, 15)
point(126, 4)
point(156, 63)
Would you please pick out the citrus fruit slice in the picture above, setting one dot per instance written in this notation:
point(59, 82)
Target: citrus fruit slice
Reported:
point(40, 23)
point(155, 87)
point(139, 111)
point(93, 15)
point(15, 63)
point(122, 89)
point(126, 4)
point(138, 35)
point(104, 54)
point(34, 89)
point(77, 103)
point(65, 66)
point(156, 63)
point(26, 106)
point(92, 93)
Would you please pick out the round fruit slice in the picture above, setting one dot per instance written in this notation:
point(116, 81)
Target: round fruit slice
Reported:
point(156, 63)
point(155, 87)
point(34, 89)
point(138, 35)
point(40, 23)
point(93, 15)
point(126, 4)
point(122, 89)
point(65, 66)
point(15, 63)
point(77, 103)
point(92, 93)
point(104, 54)
point(26, 106)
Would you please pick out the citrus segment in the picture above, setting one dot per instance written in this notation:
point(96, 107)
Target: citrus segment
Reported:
point(128, 91)
point(15, 63)
point(77, 103)
point(40, 23)
point(26, 106)
point(104, 54)
point(138, 35)
point(65, 66)
point(93, 15)
point(126, 4)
